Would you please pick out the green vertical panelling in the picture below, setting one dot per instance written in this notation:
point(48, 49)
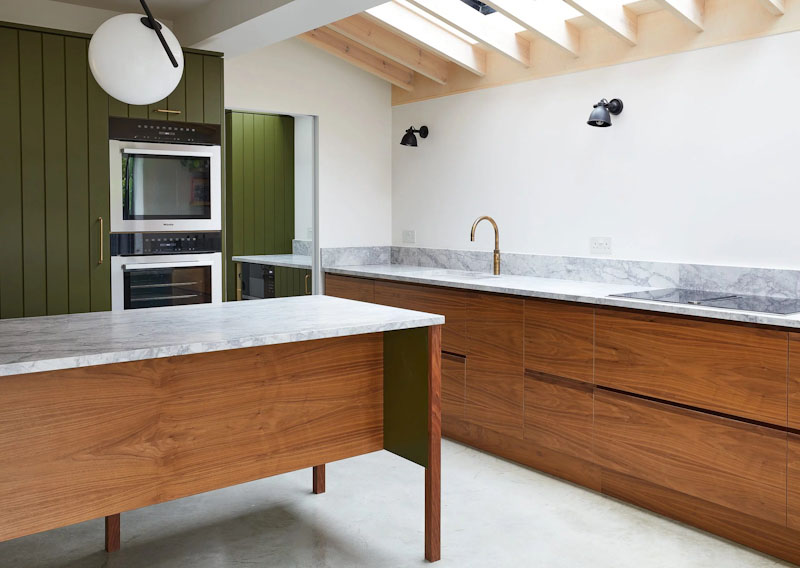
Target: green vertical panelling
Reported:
point(55, 174)
point(269, 184)
point(138, 111)
point(230, 280)
point(77, 173)
point(248, 147)
point(288, 182)
point(236, 230)
point(11, 183)
point(280, 196)
point(260, 220)
point(31, 110)
point(99, 202)
point(152, 110)
point(193, 71)
point(405, 393)
point(177, 99)
point(212, 89)
point(117, 108)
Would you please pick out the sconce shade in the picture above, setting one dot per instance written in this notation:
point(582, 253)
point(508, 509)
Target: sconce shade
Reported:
point(602, 111)
point(409, 139)
point(128, 61)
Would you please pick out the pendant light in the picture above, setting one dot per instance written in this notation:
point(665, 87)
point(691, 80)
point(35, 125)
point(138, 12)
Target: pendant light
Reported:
point(136, 59)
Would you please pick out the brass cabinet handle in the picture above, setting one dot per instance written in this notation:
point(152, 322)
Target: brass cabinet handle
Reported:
point(101, 240)
point(168, 111)
point(238, 267)
point(306, 284)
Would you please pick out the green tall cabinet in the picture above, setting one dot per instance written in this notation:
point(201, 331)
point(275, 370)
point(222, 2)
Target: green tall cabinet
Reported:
point(260, 191)
point(54, 168)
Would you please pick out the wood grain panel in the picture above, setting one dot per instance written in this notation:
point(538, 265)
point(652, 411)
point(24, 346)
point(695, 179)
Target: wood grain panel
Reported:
point(452, 304)
point(793, 486)
point(559, 413)
point(559, 339)
point(528, 453)
point(454, 385)
point(495, 363)
point(794, 381)
point(771, 538)
point(733, 464)
point(433, 469)
point(727, 368)
point(92, 442)
point(360, 289)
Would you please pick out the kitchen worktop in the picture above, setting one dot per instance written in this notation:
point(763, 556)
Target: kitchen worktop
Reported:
point(286, 260)
point(29, 345)
point(555, 289)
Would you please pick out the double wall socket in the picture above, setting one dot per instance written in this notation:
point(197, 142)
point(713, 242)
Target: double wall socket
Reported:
point(600, 246)
point(409, 236)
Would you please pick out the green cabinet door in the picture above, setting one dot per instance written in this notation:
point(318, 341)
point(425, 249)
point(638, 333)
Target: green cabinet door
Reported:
point(292, 282)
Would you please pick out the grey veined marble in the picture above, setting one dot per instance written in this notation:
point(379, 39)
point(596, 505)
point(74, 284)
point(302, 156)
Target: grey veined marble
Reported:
point(301, 247)
point(349, 256)
point(29, 345)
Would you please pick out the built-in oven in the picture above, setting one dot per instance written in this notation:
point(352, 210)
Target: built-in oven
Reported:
point(150, 270)
point(164, 176)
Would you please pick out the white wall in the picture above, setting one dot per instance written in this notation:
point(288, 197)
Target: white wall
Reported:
point(700, 167)
point(355, 131)
point(303, 177)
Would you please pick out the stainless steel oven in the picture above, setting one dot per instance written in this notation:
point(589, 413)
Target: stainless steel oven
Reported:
point(151, 270)
point(164, 176)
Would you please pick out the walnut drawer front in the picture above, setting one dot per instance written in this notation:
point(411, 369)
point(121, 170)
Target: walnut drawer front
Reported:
point(731, 369)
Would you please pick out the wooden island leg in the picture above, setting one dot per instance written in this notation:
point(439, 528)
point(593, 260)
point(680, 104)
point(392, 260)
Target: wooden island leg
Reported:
point(112, 533)
point(319, 479)
point(433, 471)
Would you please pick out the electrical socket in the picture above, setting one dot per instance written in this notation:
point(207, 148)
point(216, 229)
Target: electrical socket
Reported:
point(409, 236)
point(600, 246)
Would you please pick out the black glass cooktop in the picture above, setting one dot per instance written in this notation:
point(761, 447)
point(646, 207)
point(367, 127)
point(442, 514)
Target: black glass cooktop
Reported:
point(764, 304)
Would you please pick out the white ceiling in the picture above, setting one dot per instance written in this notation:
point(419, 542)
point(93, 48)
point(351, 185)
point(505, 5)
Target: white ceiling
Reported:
point(162, 9)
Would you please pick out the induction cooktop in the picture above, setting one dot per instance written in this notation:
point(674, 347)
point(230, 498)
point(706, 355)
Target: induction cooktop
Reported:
point(763, 304)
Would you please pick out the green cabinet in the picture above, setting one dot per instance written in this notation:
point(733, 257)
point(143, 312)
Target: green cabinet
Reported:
point(259, 165)
point(54, 195)
point(292, 282)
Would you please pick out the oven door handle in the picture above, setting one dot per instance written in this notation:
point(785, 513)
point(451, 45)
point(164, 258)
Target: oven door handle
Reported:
point(166, 264)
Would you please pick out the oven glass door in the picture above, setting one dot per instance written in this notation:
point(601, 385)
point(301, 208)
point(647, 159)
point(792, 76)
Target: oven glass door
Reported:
point(158, 186)
point(152, 286)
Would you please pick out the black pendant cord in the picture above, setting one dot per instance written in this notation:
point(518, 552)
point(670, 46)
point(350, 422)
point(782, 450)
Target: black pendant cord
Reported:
point(151, 22)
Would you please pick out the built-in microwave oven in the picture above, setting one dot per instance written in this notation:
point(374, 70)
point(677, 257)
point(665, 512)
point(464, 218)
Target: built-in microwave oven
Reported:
point(164, 176)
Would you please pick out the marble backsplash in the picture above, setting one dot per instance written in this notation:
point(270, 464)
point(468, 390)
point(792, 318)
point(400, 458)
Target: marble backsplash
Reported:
point(301, 247)
point(733, 279)
point(350, 256)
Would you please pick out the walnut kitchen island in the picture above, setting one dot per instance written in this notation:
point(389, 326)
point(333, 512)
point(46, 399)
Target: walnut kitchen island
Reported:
point(107, 412)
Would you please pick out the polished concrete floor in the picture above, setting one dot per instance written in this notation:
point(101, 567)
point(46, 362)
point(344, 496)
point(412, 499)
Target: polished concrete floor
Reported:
point(495, 514)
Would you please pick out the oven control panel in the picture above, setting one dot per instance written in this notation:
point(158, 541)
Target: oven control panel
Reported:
point(136, 244)
point(146, 130)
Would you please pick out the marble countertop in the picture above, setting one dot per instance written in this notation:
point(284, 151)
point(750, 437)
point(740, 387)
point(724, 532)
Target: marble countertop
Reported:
point(554, 289)
point(287, 260)
point(30, 345)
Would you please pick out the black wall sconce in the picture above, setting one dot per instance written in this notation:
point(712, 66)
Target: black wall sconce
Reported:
point(409, 138)
point(601, 115)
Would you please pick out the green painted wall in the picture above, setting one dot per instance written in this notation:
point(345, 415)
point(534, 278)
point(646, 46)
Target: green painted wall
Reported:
point(54, 166)
point(260, 191)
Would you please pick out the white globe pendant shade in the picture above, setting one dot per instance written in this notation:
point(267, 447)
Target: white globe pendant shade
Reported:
point(129, 62)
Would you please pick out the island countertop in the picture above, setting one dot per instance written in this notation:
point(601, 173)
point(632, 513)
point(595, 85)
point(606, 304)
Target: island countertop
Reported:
point(48, 343)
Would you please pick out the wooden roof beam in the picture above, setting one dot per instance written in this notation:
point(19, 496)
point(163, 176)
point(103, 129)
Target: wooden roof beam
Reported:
point(361, 57)
point(611, 14)
point(545, 18)
point(422, 32)
point(774, 6)
point(690, 11)
point(479, 27)
point(366, 32)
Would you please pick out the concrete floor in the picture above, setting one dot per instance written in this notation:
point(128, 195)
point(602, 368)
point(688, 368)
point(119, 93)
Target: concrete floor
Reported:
point(496, 514)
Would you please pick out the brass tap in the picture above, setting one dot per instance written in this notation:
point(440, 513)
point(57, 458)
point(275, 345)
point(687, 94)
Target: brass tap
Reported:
point(496, 263)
